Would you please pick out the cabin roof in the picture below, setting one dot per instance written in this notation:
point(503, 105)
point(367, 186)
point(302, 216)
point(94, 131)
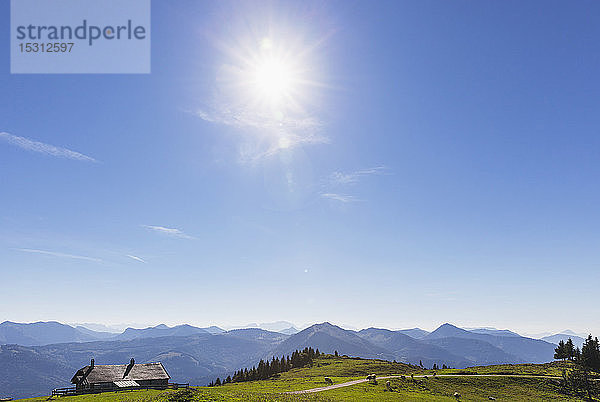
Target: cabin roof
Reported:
point(120, 372)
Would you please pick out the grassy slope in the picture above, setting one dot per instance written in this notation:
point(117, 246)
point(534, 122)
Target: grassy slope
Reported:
point(550, 369)
point(346, 369)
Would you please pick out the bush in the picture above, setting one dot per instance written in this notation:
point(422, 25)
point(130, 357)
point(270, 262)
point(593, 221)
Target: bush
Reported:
point(183, 395)
point(579, 383)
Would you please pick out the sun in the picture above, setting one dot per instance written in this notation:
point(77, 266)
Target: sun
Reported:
point(271, 85)
point(273, 80)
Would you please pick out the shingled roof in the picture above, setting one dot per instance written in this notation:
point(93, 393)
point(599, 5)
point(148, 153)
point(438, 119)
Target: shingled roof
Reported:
point(120, 372)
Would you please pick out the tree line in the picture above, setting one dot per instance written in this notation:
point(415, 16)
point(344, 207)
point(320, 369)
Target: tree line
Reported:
point(588, 357)
point(579, 381)
point(266, 368)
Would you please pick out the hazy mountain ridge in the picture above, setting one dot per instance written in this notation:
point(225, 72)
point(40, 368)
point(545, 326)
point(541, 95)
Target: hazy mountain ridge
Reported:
point(52, 332)
point(416, 333)
point(42, 333)
point(409, 350)
point(492, 331)
point(477, 352)
point(329, 338)
point(528, 349)
point(577, 340)
point(159, 331)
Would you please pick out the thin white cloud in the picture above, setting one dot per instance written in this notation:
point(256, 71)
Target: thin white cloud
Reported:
point(60, 255)
point(264, 134)
point(340, 179)
point(340, 197)
point(354, 177)
point(133, 257)
point(168, 231)
point(36, 146)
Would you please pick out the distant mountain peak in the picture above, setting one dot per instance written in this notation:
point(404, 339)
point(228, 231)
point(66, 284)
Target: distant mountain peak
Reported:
point(323, 326)
point(213, 329)
point(446, 330)
point(415, 333)
point(492, 331)
point(447, 326)
point(571, 332)
point(289, 331)
point(377, 329)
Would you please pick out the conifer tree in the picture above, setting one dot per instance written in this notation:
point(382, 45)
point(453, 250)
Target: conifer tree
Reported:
point(590, 354)
point(569, 349)
point(267, 369)
point(560, 351)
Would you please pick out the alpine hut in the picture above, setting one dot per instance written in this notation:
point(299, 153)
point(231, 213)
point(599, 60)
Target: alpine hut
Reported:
point(98, 378)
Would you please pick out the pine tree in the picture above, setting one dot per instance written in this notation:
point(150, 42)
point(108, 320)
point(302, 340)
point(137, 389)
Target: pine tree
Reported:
point(283, 364)
point(590, 354)
point(218, 382)
point(266, 368)
point(570, 349)
point(335, 353)
point(560, 351)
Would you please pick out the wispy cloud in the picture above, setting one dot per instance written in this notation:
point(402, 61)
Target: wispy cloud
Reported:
point(338, 180)
point(134, 257)
point(345, 198)
point(59, 255)
point(36, 146)
point(169, 231)
point(354, 177)
point(264, 134)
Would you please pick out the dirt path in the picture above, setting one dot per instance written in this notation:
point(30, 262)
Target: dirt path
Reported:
point(354, 382)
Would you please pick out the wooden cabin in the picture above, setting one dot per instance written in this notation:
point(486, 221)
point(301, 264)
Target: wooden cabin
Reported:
point(98, 378)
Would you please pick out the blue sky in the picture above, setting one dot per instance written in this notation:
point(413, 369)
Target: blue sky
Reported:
point(435, 162)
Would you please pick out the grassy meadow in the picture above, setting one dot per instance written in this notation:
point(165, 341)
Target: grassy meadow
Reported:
point(424, 386)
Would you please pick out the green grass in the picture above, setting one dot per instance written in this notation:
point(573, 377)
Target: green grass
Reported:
point(347, 369)
point(351, 367)
point(548, 369)
point(443, 388)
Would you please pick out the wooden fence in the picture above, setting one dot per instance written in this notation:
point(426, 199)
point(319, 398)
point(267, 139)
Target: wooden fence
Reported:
point(74, 391)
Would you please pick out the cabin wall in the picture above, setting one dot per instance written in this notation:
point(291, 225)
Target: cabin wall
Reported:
point(95, 386)
point(153, 383)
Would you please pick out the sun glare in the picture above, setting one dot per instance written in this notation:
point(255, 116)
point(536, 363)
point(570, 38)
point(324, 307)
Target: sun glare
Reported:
point(273, 80)
point(269, 84)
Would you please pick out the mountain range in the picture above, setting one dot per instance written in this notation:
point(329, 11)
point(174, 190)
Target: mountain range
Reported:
point(40, 356)
point(46, 333)
point(577, 340)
